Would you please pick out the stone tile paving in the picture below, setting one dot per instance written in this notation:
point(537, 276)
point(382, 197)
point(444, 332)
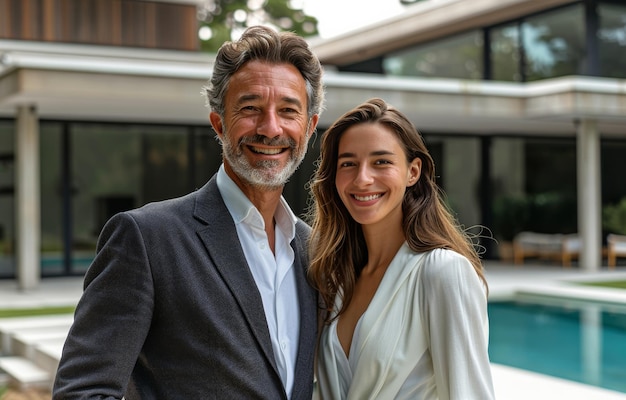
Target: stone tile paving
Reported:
point(29, 394)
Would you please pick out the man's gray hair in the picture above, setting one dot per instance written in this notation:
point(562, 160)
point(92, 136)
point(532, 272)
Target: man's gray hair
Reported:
point(265, 44)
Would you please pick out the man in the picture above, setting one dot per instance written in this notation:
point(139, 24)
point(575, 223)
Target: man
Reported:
point(205, 296)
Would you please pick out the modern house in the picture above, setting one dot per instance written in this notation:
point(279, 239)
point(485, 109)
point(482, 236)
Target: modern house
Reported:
point(521, 102)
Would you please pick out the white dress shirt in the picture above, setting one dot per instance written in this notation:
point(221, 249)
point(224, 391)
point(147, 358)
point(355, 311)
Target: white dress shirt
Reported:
point(273, 273)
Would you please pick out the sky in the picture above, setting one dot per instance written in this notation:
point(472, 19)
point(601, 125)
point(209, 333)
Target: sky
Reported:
point(339, 16)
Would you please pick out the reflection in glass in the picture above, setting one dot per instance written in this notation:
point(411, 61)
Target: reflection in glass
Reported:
point(554, 43)
point(206, 156)
point(7, 172)
point(91, 171)
point(612, 40)
point(51, 175)
point(455, 57)
point(505, 53)
point(104, 179)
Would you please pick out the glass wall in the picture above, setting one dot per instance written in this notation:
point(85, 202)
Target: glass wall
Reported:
point(554, 43)
point(612, 40)
point(52, 188)
point(613, 165)
point(458, 57)
point(207, 156)
point(534, 186)
point(458, 168)
point(505, 53)
point(546, 45)
point(90, 171)
point(7, 210)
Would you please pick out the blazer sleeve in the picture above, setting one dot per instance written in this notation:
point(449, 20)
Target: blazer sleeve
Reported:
point(456, 324)
point(112, 317)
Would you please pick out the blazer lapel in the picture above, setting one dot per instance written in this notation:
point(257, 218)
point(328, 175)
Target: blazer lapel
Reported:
point(222, 243)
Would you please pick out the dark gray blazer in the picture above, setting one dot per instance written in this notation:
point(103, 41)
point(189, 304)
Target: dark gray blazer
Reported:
point(170, 310)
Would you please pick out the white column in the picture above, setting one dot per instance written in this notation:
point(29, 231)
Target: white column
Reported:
point(27, 198)
point(589, 195)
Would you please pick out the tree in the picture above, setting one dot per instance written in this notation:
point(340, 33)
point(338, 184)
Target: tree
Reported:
point(223, 20)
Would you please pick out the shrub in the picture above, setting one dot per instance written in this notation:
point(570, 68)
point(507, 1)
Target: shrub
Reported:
point(614, 217)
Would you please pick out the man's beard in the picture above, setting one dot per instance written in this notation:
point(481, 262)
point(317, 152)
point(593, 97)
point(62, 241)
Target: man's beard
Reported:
point(267, 174)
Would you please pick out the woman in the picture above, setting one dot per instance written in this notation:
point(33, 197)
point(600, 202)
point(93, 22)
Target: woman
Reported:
point(406, 296)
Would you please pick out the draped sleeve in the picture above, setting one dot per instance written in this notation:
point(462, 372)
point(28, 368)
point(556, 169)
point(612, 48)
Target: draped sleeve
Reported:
point(454, 311)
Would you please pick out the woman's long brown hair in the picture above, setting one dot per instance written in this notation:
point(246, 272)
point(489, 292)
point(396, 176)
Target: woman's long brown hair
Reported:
point(337, 248)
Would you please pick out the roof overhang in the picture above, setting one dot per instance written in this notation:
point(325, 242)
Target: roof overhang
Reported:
point(423, 22)
point(548, 107)
point(101, 83)
point(119, 85)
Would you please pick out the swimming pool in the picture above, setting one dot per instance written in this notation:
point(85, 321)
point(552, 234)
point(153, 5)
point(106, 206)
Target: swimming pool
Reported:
point(575, 340)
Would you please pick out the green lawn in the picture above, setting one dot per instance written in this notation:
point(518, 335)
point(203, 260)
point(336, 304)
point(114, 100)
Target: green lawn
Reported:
point(611, 284)
point(29, 312)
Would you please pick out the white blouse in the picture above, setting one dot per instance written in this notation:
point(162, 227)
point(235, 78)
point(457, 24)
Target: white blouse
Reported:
point(424, 336)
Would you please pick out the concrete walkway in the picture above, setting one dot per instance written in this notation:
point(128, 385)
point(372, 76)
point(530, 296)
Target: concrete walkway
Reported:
point(51, 292)
point(504, 280)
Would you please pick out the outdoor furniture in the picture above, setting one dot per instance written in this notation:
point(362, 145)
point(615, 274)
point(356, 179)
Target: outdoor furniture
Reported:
point(556, 246)
point(616, 247)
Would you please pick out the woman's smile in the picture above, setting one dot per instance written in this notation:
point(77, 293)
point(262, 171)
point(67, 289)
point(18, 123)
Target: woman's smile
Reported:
point(368, 197)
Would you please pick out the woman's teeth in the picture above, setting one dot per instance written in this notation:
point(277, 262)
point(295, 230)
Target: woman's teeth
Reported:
point(367, 198)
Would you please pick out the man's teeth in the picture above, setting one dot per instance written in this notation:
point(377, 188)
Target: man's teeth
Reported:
point(266, 150)
point(367, 198)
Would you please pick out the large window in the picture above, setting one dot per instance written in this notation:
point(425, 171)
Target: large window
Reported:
point(458, 57)
point(554, 43)
point(207, 156)
point(547, 45)
point(457, 167)
point(51, 153)
point(90, 171)
point(557, 43)
point(505, 53)
point(613, 164)
point(612, 40)
point(533, 186)
point(7, 222)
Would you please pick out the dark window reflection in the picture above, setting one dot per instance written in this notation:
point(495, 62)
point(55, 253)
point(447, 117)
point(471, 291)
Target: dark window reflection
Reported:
point(505, 53)
point(612, 40)
point(455, 57)
point(554, 43)
point(7, 190)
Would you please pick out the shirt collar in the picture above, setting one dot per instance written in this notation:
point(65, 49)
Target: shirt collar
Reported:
point(243, 211)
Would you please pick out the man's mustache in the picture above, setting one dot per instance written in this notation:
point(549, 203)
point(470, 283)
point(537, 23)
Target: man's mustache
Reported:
point(264, 140)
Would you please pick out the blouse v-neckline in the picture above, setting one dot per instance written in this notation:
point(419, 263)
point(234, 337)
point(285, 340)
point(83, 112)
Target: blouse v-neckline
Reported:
point(389, 278)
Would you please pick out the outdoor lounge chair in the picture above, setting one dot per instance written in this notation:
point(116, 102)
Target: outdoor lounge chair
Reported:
point(616, 247)
point(554, 246)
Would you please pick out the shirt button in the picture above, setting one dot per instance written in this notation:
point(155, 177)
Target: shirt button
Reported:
point(283, 345)
point(262, 246)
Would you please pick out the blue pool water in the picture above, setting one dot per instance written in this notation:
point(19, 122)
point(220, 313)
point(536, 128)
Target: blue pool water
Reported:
point(583, 342)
